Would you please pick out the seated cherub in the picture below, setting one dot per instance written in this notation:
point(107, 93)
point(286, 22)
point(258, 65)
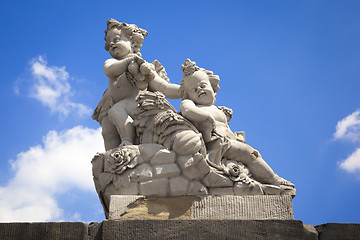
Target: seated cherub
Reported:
point(128, 74)
point(198, 91)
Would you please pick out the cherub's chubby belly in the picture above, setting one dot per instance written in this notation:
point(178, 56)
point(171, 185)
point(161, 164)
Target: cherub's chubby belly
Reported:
point(224, 131)
point(120, 88)
point(218, 115)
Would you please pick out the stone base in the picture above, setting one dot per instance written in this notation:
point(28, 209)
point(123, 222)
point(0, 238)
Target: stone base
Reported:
point(39, 231)
point(179, 229)
point(228, 207)
point(207, 229)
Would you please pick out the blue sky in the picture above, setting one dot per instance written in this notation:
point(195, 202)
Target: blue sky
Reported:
point(290, 70)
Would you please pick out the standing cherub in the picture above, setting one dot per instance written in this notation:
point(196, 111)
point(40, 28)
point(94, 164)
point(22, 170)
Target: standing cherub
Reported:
point(198, 91)
point(128, 74)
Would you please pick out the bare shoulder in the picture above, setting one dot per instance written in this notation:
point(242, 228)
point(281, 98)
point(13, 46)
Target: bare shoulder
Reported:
point(110, 62)
point(186, 102)
point(187, 105)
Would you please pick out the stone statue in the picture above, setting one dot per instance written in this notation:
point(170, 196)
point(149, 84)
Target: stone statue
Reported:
point(198, 91)
point(153, 150)
point(128, 74)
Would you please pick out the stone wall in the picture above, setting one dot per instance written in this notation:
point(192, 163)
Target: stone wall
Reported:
point(179, 229)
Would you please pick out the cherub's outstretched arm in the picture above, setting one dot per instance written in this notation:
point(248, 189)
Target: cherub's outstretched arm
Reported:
point(170, 90)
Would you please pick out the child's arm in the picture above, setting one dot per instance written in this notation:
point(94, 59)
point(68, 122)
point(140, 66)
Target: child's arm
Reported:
point(114, 68)
point(170, 90)
point(195, 114)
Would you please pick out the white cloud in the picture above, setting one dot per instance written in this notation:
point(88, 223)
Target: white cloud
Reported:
point(349, 127)
point(352, 163)
point(52, 88)
point(61, 164)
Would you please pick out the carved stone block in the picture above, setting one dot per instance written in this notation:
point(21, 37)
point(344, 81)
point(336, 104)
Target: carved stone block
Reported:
point(214, 179)
point(207, 207)
point(167, 170)
point(148, 150)
point(154, 187)
point(163, 156)
point(178, 186)
point(221, 191)
point(193, 167)
point(133, 189)
point(141, 173)
point(197, 188)
point(243, 189)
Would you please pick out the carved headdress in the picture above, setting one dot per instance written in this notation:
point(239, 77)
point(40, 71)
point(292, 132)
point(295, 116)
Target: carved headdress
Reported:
point(189, 67)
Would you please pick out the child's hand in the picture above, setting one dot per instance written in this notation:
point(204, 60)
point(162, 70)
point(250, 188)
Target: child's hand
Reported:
point(134, 69)
point(132, 57)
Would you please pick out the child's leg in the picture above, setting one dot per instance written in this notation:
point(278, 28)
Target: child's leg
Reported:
point(252, 159)
point(119, 115)
point(110, 134)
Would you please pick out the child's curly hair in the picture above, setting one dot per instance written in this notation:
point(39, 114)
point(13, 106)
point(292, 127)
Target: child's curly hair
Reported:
point(189, 67)
point(132, 32)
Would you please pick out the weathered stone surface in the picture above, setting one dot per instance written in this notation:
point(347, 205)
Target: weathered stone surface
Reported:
point(163, 156)
point(207, 207)
point(243, 189)
point(310, 231)
point(178, 186)
point(188, 166)
point(95, 231)
point(202, 166)
point(154, 187)
point(118, 205)
point(44, 231)
point(205, 229)
point(154, 208)
point(166, 171)
point(141, 173)
point(123, 180)
point(193, 167)
point(246, 208)
point(148, 150)
point(179, 229)
point(337, 231)
point(214, 179)
point(197, 188)
point(221, 191)
point(133, 189)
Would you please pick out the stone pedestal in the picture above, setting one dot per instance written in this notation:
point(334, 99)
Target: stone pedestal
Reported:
point(179, 229)
point(228, 207)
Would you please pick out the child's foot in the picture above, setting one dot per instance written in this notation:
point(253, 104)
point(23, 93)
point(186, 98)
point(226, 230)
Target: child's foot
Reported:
point(281, 181)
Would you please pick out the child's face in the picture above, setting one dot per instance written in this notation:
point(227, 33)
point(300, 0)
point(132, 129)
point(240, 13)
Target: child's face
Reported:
point(120, 45)
point(199, 89)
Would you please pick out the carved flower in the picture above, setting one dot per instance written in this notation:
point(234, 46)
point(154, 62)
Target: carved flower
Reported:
point(189, 67)
point(234, 169)
point(122, 159)
point(237, 172)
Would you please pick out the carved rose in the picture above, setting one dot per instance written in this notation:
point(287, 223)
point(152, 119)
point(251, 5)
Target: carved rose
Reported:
point(237, 172)
point(122, 159)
